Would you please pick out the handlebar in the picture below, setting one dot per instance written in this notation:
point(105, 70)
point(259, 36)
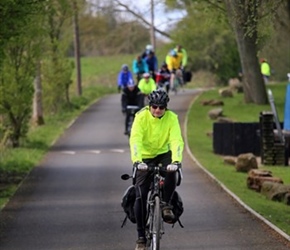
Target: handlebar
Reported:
point(134, 107)
point(151, 168)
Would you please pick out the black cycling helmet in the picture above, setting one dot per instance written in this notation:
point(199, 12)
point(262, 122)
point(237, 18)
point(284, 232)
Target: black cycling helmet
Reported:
point(158, 97)
point(164, 64)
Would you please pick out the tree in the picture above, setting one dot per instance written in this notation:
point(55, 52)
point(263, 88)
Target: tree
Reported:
point(244, 17)
point(104, 31)
point(57, 67)
point(77, 47)
point(209, 42)
point(19, 54)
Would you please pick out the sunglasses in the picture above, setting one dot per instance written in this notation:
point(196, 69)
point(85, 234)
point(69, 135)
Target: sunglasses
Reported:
point(160, 107)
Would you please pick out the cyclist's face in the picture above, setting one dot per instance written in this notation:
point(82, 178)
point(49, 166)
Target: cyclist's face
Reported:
point(131, 88)
point(157, 111)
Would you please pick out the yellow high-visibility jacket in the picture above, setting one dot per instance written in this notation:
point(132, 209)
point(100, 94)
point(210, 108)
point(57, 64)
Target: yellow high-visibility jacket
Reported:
point(265, 69)
point(173, 62)
point(151, 136)
point(147, 87)
point(184, 56)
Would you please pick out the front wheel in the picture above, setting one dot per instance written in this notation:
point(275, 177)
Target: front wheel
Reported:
point(156, 230)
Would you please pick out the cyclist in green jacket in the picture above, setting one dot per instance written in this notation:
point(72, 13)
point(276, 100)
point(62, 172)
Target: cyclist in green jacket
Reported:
point(155, 138)
point(146, 86)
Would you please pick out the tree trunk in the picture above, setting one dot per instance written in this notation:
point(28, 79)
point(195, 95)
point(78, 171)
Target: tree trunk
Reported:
point(243, 21)
point(77, 49)
point(37, 116)
point(152, 27)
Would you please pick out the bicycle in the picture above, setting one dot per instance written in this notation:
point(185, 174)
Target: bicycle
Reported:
point(154, 223)
point(177, 80)
point(164, 86)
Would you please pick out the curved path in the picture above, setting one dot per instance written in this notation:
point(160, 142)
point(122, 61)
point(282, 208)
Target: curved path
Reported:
point(71, 201)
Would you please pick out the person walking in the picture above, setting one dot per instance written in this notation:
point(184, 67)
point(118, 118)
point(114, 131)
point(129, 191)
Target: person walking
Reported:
point(265, 70)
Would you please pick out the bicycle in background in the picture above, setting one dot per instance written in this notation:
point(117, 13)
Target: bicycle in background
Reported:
point(176, 80)
point(131, 111)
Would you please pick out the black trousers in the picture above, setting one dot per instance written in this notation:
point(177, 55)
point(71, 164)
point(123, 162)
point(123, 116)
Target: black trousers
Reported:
point(142, 186)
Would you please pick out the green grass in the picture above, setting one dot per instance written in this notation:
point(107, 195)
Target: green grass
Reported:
point(201, 146)
point(103, 70)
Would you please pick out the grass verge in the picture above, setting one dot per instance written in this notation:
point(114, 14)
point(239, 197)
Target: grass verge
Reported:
point(201, 145)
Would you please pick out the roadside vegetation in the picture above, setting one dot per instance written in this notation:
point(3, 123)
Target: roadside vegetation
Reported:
point(201, 146)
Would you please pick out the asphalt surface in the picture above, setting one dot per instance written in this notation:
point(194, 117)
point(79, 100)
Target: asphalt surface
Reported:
point(71, 200)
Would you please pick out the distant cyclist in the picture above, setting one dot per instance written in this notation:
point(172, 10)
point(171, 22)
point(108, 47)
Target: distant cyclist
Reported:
point(146, 85)
point(163, 77)
point(131, 95)
point(174, 64)
point(148, 49)
point(155, 138)
point(139, 67)
point(180, 50)
point(152, 63)
point(124, 77)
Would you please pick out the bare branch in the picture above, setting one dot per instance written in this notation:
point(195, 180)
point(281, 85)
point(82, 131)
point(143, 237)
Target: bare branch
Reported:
point(140, 17)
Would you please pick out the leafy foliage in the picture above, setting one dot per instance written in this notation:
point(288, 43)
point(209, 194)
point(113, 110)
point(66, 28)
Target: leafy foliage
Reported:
point(209, 42)
point(18, 70)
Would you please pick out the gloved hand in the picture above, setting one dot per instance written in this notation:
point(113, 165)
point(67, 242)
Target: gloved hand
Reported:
point(173, 166)
point(141, 166)
point(123, 111)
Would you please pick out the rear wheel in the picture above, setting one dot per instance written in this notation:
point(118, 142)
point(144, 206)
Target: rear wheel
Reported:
point(130, 123)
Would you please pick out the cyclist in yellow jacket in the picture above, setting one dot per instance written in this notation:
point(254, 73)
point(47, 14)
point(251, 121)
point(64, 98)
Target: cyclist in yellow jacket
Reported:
point(174, 64)
point(146, 86)
point(155, 138)
point(182, 51)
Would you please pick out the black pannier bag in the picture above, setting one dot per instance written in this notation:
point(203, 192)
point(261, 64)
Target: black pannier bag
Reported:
point(177, 209)
point(187, 75)
point(127, 204)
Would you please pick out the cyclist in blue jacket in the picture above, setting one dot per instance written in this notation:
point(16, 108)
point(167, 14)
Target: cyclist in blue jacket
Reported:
point(139, 67)
point(124, 77)
point(152, 63)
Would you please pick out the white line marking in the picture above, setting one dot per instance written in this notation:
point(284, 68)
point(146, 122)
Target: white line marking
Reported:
point(117, 150)
point(94, 151)
point(69, 152)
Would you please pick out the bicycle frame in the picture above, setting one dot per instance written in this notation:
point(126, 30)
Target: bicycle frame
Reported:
point(131, 111)
point(176, 80)
point(154, 225)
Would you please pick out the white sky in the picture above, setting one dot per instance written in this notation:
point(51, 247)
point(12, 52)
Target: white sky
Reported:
point(162, 19)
